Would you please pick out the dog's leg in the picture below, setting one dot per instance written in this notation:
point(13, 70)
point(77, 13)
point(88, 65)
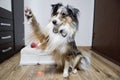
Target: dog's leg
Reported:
point(74, 70)
point(78, 55)
point(66, 68)
point(35, 25)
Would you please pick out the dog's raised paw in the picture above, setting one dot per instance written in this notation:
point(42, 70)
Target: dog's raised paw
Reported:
point(28, 13)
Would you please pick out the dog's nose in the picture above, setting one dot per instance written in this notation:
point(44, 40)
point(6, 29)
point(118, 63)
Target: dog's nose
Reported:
point(54, 22)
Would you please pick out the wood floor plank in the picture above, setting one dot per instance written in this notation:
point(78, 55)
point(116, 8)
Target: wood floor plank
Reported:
point(99, 70)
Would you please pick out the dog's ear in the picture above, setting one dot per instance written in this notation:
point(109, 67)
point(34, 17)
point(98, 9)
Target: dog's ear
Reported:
point(55, 8)
point(76, 11)
point(56, 5)
point(72, 11)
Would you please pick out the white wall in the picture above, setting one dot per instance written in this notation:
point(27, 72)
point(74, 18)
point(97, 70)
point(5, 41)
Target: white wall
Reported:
point(42, 10)
point(6, 4)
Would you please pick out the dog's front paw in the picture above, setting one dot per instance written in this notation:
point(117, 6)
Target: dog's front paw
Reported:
point(28, 13)
point(74, 71)
point(65, 75)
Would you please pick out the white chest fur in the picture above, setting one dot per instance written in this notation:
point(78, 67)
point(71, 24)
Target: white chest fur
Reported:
point(56, 40)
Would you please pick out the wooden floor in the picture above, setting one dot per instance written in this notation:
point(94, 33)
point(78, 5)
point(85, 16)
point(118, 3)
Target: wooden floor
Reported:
point(100, 69)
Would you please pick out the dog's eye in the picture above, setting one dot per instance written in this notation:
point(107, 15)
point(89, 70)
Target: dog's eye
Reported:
point(56, 13)
point(63, 14)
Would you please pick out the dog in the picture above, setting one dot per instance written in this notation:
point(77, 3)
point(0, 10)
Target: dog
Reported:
point(58, 38)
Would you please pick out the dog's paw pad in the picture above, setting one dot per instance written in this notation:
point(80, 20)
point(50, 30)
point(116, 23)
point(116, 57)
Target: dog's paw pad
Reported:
point(74, 71)
point(28, 13)
point(65, 75)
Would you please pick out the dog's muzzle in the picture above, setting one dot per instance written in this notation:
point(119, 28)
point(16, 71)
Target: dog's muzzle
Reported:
point(54, 22)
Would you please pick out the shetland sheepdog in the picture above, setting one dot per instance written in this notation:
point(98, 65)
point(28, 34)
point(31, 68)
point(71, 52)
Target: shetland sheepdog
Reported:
point(58, 38)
